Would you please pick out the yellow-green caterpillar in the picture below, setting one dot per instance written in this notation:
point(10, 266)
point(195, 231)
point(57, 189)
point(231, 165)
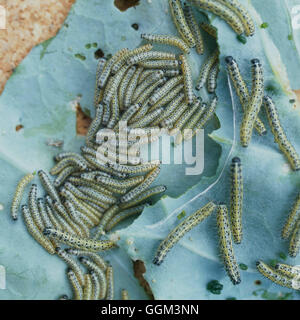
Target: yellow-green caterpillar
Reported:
point(236, 200)
point(177, 233)
point(19, 193)
point(254, 103)
point(226, 247)
point(279, 135)
point(242, 90)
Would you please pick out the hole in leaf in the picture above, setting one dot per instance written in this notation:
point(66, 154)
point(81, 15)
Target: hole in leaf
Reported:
point(123, 5)
point(139, 270)
point(99, 54)
point(82, 121)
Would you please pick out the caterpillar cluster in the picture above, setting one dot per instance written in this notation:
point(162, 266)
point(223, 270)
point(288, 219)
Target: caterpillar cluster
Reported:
point(107, 182)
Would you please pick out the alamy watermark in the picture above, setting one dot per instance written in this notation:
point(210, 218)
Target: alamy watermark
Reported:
point(131, 146)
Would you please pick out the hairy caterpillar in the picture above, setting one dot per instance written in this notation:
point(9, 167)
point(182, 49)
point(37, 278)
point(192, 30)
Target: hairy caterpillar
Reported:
point(77, 288)
point(167, 39)
point(223, 12)
point(180, 22)
point(295, 241)
point(242, 90)
point(254, 103)
point(274, 275)
point(292, 219)
point(236, 200)
point(280, 137)
point(226, 245)
point(177, 233)
point(77, 242)
point(88, 287)
point(110, 283)
point(187, 80)
point(19, 193)
point(205, 69)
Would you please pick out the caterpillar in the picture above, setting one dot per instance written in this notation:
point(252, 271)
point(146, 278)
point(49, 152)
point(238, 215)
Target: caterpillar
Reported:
point(101, 197)
point(95, 284)
point(145, 74)
point(167, 87)
point(208, 114)
point(151, 55)
point(124, 84)
point(168, 40)
point(73, 264)
point(295, 241)
point(148, 119)
point(33, 207)
point(212, 77)
point(35, 232)
point(288, 271)
point(98, 91)
point(242, 13)
point(111, 88)
point(131, 87)
point(182, 120)
point(171, 73)
point(54, 222)
point(88, 287)
point(60, 209)
point(48, 185)
point(115, 112)
point(106, 218)
point(70, 161)
point(124, 214)
point(236, 200)
point(275, 276)
point(77, 242)
point(160, 64)
point(194, 27)
point(94, 126)
point(145, 96)
point(254, 103)
point(66, 154)
point(178, 232)
point(149, 178)
point(19, 194)
point(225, 243)
point(81, 220)
point(142, 168)
point(292, 219)
point(169, 121)
point(180, 22)
point(205, 69)
point(171, 107)
point(187, 128)
point(280, 137)
point(168, 98)
point(223, 12)
point(187, 80)
point(128, 114)
point(242, 90)
point(211, 30)
point(46, 221)
point(100, 273)
point(109, 66)
point(143, 196)
point(125, 295)
point(63, 175)
point(110, 283)
point(96, 258)
point(122, 60)
point(152, 78)
point(77, 288)
point(127, 183)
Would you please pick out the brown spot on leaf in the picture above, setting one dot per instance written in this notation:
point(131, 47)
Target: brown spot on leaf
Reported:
point(257, 282)
point(99, 54)
point(82, 121)
point(19, 127)
point(139, 270)
point(123, 5)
